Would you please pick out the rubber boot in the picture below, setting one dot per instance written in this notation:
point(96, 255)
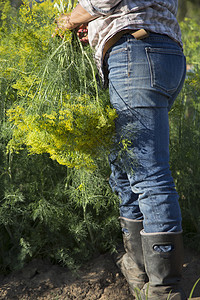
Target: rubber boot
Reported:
point(132, 262)
point(163, 268)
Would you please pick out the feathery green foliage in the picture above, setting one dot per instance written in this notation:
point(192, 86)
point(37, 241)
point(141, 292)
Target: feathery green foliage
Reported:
point(185, 137)
point(59, 110)
point(49, 91)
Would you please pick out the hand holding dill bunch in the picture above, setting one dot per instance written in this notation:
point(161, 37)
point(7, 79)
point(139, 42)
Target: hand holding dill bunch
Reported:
point(78, 17)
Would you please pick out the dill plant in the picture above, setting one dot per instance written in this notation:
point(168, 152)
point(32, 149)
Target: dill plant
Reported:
point(185, 137)
point(51, 107)
point(49, 91)
point(60, 110)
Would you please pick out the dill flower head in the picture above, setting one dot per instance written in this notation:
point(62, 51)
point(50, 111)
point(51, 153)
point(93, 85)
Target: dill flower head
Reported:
point(58, 108)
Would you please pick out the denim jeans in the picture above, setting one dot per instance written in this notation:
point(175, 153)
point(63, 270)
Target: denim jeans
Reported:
point(145, 77)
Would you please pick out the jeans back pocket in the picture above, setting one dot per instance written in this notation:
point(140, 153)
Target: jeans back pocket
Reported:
point(167, 67)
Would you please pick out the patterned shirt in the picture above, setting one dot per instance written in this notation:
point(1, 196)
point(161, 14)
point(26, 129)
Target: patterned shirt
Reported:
point(113, 16)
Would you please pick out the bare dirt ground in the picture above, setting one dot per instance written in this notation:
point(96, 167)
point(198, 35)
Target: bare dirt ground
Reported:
point(99, 279)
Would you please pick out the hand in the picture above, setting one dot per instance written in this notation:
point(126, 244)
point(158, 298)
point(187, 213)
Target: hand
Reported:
point(82, 34)
point(73, 20)
point(63, 24)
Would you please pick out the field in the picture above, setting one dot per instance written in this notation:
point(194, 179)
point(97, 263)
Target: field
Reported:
point(58, 216)
point(98, 279)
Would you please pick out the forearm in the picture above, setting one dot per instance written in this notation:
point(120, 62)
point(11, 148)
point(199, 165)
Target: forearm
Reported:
point(79, 16)
point(84, 12)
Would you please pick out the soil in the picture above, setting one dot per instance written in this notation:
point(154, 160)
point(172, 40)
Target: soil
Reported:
point(98, 279)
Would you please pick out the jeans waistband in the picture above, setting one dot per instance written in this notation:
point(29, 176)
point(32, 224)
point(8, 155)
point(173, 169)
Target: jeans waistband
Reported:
point(138, 35)
point(153, 36)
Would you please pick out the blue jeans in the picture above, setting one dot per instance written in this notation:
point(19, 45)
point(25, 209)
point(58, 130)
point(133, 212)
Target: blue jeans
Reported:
point(145, 77)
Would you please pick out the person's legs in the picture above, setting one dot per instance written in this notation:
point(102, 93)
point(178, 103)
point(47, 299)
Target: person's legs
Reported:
point(141, 90)
point(144, 79)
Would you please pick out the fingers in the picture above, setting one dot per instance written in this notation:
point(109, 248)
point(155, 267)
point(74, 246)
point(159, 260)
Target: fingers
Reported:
point(82, 34)
point(63, 24)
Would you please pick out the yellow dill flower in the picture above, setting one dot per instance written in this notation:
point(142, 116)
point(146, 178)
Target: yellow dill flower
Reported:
point(58, 108)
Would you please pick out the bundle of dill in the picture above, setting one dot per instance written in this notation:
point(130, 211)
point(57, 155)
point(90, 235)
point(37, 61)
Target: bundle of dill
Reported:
point(58, 108)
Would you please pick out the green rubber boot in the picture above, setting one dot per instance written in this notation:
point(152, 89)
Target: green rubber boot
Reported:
point(163, 268)
point(131, 263)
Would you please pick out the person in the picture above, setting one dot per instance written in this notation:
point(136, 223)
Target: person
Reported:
point(138, 48)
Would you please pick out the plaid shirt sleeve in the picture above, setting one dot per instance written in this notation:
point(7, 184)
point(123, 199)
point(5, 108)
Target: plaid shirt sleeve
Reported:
point(98, 8)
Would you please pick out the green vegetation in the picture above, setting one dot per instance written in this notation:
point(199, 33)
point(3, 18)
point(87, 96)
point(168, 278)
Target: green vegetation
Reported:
point(185, 136)
point(189, 9)
point(56, 131)
point(51, 108)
